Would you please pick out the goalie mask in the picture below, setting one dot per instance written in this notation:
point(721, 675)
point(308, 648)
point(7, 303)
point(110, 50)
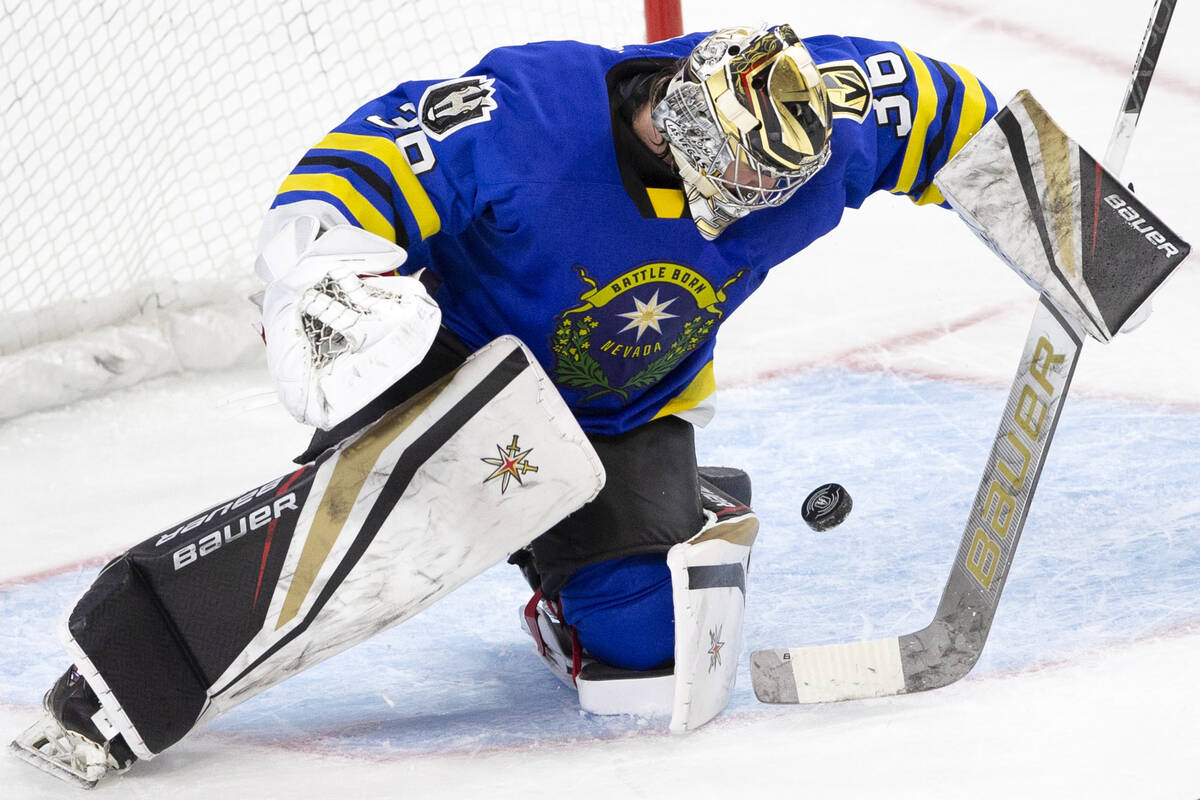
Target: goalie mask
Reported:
point(747, 121)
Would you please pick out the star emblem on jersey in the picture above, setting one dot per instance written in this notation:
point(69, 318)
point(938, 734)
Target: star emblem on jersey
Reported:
point(512, 463)
point(630, 331)
point(647, 315)
point(714, 652)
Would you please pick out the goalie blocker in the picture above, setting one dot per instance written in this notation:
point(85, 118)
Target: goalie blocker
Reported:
point(194, 621)
point(1059, 219)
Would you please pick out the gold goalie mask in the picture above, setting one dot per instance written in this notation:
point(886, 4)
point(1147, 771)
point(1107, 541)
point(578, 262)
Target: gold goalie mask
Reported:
point(747, 120)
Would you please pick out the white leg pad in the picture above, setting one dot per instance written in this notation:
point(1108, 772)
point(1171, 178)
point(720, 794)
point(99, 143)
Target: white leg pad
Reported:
point(708, 580)
point(432, 494)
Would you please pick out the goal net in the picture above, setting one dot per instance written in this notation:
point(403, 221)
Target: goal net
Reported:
point(143, 141)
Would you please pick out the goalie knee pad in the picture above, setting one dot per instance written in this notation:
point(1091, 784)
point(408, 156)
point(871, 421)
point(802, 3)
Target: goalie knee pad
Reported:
point(622, 610)
point(603, 689)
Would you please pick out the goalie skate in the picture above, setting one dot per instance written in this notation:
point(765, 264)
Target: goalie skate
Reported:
point(64, 754)
point(73, 740)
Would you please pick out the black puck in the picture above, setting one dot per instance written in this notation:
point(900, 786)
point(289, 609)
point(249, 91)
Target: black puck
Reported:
point(826, 507)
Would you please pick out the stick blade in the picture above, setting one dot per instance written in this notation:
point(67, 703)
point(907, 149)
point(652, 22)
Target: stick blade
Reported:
point(852, 671)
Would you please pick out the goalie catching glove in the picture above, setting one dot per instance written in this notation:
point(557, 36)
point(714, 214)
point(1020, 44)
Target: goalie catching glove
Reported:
point(336, 340)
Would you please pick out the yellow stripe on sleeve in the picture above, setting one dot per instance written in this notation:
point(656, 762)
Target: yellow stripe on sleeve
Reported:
point(360, 207)
point(974, 106)
point(386, 151)
point(970, 120)
point(693, 394)
point(927, 103)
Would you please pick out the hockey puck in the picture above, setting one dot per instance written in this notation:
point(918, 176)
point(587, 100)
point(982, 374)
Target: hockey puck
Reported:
point(826, 507)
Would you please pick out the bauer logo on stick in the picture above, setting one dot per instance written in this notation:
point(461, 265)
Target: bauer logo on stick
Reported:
point(826, 507)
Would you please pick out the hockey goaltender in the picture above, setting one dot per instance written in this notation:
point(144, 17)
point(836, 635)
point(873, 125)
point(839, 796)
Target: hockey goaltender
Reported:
point(495, 298)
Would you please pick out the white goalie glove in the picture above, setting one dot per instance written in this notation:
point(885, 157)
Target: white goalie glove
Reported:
point(335, 341)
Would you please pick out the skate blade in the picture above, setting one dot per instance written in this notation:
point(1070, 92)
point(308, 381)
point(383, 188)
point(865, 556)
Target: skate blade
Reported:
point(57, 752)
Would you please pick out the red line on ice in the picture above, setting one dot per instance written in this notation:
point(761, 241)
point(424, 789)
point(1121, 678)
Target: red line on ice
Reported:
point(1066, 45)
point(91, 562)
point(327, 741)
point(858, 359)
point(855, 357)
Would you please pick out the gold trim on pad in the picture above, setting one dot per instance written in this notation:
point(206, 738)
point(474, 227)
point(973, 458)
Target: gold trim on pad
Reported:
point(350, 472)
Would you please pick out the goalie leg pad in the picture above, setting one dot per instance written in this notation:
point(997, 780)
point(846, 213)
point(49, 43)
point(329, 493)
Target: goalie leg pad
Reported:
point(708, 578)
point(200, 618)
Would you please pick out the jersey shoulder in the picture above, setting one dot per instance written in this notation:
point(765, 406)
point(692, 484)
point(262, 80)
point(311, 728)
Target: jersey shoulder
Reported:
point(428, 155)
point(910, 113)
point(550, 118)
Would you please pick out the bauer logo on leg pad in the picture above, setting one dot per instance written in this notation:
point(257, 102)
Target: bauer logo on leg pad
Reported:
point(260, 517)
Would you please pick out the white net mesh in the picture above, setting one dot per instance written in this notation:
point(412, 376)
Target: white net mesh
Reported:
point(142, 141)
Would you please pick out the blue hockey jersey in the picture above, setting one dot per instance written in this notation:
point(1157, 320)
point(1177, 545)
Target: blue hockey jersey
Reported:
point(515, 188)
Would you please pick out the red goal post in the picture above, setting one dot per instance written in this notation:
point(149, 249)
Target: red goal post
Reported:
point(664, 20)
point(143, 143)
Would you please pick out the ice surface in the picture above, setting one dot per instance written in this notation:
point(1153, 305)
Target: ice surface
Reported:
point(879, 359)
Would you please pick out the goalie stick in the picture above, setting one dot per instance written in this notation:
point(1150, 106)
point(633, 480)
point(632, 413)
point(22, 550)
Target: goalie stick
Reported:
point(946, 649)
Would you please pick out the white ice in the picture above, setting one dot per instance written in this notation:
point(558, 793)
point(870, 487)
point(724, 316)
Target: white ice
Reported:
point(880, 358)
